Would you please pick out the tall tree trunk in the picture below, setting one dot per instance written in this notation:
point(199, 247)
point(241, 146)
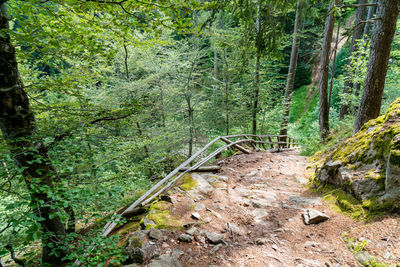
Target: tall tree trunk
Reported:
point(324, 68)
point(333, 64)
point(371, 13)
point(257, 74)
point(17, 124)
point(298, 24)
point(226, 94)
point(348, 85)
point(191, 125)
point(256, 94)
point(381, 42)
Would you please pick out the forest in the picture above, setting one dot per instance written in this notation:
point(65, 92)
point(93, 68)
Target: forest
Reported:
point(100, 99)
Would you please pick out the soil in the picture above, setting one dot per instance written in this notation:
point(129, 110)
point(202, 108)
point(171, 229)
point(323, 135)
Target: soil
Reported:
point(257, 204)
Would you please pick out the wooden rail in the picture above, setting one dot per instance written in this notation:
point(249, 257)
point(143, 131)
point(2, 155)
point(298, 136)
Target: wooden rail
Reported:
point(232, 141)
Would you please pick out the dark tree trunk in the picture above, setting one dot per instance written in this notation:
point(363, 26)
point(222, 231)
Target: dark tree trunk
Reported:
point(324, 68)
point(191, 125)
point(256, 94)
point(226, 94)
point(298, 24)
point(348, 85)
point(17, 124)
point(381, 42)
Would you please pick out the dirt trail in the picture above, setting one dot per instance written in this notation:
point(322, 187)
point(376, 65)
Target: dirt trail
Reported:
point(255, 203)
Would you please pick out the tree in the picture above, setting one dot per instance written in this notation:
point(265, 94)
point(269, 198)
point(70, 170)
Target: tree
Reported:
point(348, 86)
point(298, 24)
point(381, 41)
point(324, 73)
point(17, 124)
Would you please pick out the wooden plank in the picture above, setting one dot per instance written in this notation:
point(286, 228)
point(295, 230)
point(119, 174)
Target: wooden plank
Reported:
point(270, 141)
point(244, 150)
point(251, 143)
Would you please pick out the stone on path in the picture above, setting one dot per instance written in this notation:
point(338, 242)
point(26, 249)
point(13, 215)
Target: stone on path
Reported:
point(199, 207)
point(155, 234)
point(185, 238)
point(215, 249)
point(214, 237)
point(311, 216)
point(196, 215)
point(165, 261)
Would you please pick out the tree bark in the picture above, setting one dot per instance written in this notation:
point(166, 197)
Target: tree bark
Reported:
point(348, 85)
point(298, 24)
point(381, 42)
point(17, 124)
point(226, 94)
point(324, 68)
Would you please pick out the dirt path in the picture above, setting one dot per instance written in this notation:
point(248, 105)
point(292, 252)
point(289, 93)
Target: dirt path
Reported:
point(253, 208)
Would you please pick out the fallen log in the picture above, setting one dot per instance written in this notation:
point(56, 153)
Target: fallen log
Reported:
point(202, 169)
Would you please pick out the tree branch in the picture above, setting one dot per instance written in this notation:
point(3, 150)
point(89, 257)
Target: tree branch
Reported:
point(359, 5)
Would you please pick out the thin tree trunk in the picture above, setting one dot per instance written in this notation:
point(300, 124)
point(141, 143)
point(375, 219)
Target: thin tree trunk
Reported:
point(298, 24)
point(257, 75)
point(226, 93)
point(348, 85)
point(17, 124)
point(381, 42)
point(126, 61)
point(191, 125)
point(324, 68)
point(334, 65)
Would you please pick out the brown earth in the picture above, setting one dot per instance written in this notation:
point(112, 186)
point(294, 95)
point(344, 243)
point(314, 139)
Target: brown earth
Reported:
point(256, 202)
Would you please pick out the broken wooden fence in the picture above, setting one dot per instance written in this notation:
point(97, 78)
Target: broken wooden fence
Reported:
point(231, 141)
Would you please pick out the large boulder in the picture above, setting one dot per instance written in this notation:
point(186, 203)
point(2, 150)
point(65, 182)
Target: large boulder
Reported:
point(367, 164)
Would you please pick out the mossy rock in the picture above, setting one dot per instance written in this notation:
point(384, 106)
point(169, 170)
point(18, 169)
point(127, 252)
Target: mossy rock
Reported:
point(367, 165)
point(188, 183)
point(160, 214)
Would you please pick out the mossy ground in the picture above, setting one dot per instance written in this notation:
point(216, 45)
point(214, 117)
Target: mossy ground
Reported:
point(160, 214)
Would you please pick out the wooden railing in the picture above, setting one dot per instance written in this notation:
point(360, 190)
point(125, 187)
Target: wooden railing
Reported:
point(275, 142)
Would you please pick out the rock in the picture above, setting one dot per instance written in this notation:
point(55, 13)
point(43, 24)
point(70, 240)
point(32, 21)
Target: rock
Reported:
point(363, 257)
point(365, 188)
point(165, 261)
point(311, 244)
point(311, 216)
point(299, 200)
point(260, 213)
point(147, 223)
point(136, 239)
point(234, 229)
point(216, 214)
point(185, 238)
point(155, 234)
point(132, 265)
point(150, 251)
point(177, 253)
point(214, 237)
point(215, 249)
point(202, 186)
point(199, 207)
point(192, 231)
point(196, 216)
point(260, 203)
point(135, 255)
point(207, 219)
point(262, 241)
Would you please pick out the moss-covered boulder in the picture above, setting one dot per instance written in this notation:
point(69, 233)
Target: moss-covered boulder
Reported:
point(368, 164)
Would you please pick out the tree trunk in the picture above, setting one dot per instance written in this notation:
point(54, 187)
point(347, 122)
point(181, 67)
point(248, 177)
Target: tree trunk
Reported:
point(298, 24)
point(371, 13)
point(333, 65)
point(381, 42)
point(191, 125)
point(226, 93)
point(324, 68)
point(17, 124)
point(348, 85)
point(256, 94)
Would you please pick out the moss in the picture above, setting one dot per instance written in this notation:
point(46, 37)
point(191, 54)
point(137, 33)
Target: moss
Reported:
point(162, 217)
point(188, 183)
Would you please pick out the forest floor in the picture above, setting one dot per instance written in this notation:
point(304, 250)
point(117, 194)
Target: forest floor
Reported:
point(253, 208)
